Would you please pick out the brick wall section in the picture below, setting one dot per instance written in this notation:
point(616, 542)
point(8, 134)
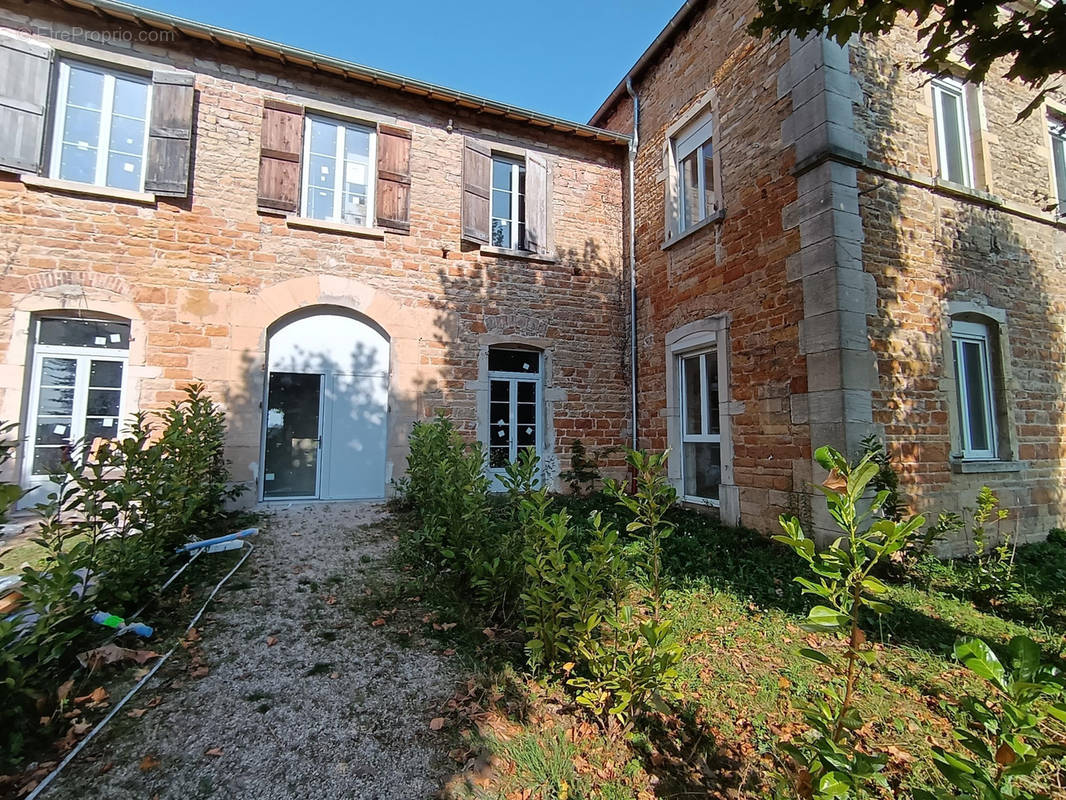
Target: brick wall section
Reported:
point(203, 278)
point(734, 267)
point(926, 248)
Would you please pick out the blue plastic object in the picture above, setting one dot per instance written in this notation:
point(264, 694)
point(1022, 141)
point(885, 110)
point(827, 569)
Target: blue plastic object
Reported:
point(229, 537)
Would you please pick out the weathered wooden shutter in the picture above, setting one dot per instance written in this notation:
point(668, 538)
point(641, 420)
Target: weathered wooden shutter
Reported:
point(279, 155)
point(393, 198)
point(538, 204)
point(477, 189)
point(170, 134)
point(25, 71)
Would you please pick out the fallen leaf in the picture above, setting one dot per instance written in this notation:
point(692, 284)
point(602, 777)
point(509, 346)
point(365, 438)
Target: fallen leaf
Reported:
point(98, 695)
point(199, 672)
point(331, 600)
point(213, 751)
point(271, 641)
point(137, 713)
point(436, 723)
point(106, 768)
point(379, 622)
point(113, 654)
point(154, 701)
point(149, 763)
point(63, 692)
point(489, 632)
point(334, 675)
point(783, 682)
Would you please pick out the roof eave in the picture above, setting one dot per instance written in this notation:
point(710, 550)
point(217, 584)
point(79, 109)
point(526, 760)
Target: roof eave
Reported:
point(334, 66)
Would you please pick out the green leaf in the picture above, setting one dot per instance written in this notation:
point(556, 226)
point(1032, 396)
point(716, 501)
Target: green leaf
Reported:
point(815, 655)
point(979, 658)
point(833, 784)
point(824, 618)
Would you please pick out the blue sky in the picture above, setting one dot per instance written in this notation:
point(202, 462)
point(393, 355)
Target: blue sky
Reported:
point(560, 57)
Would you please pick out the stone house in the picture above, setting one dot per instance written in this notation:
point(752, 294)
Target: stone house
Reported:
point(334, 251)
point(821, 245)
point(830, 245)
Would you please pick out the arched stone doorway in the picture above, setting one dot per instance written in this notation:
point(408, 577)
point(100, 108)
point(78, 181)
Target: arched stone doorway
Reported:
point(325, 421)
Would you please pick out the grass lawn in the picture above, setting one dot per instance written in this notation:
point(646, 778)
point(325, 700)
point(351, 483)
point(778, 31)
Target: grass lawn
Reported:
point(737, 612)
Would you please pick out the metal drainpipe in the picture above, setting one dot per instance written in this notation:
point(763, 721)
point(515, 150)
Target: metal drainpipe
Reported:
point(633, 263)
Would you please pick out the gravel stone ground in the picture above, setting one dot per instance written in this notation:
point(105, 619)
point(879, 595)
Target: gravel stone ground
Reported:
point(335, 708)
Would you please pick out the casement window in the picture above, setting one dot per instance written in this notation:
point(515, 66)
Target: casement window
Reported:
point(505, 199)
point(508, 203)
point(109, 128)
point(77, 388)
point(971, 344)
point(952, 127)
point(697, 188)
point(701, 432)
point(336, 170)
point(515, 405)
point(338, 181)
point(1057, 129)
point(101, 129)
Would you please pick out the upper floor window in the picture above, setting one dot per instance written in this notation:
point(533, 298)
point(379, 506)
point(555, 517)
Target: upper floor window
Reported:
point(975, 388)
point(951, 120)
point(1058, 160)
point(338, 181)
point(508, 203)
point(506, 200)
point(697, 188)
point(101, 126)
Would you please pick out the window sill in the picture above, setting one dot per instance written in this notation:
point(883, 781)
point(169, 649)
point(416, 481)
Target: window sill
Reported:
point(525, 255)
point(976, 467)
point(717, 216)
point(335, 227)
point(87, 189)
point(969, 192)
point(706, 502)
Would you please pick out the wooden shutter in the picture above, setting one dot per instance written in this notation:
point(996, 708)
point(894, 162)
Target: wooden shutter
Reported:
point(170, 134)
point(393, 195)
point(477, 189)
point(25, 72)
point(538, 204)
point(672, 206)
point(279, 156)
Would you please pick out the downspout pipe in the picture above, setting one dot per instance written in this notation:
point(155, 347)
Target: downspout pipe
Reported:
point(633, 144)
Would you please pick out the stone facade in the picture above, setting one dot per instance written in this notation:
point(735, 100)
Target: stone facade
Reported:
point(839, 260)
point(203, 279)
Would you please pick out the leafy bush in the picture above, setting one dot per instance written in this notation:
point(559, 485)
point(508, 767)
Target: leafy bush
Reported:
point(1007, 735)
point(9, 492)
point(827, 764)
point(584, 472)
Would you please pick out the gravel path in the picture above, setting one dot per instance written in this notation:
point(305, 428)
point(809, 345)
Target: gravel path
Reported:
point(333, 708)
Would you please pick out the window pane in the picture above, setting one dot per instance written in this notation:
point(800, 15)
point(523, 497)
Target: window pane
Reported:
point(710, 202)
point(55, 402)
point(1058, 151)
point(101, 428)
point(951, 132)
point(321, 171)
point(131, 98)
point(501, 204)
point(85, 88)
point(499, 457)
point(127, 135)
point(690, 368)
point(357, 144)
point(527, 392)
point(77, 163)
point(84, 333)
point(81, 128)
point(105, 374)
point(501, 233)
point(710, 361)
point(501, 360)
point(501, 174)
point(500, 391)
point(319, 203)
point(323, 138)
point(54, 430)
point(527, 414)
point(976, 415)
point(58, 371)
point(103, 402)
point(703, 469)
point(690, 191)
point(48, 459)
point(124, 171)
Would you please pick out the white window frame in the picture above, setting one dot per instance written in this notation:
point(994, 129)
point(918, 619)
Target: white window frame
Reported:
point(698, 135)
point(343, 127)
point(704, 436)
point(83, 356)
point(516, 241)
point(955, 88)
point(979, 333)
point(1057, 134)
point(513, 379)
point(106, 113)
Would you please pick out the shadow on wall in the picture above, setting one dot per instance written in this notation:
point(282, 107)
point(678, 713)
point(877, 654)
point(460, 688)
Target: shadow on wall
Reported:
point(926, 250)
point(573, 309)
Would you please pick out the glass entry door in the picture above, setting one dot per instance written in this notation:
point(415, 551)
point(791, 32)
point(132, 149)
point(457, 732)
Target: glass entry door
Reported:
point(291, 460)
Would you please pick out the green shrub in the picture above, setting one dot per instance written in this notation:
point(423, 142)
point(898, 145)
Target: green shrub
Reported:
point(1007, 735)
point(826, 763)
point(9, 492)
